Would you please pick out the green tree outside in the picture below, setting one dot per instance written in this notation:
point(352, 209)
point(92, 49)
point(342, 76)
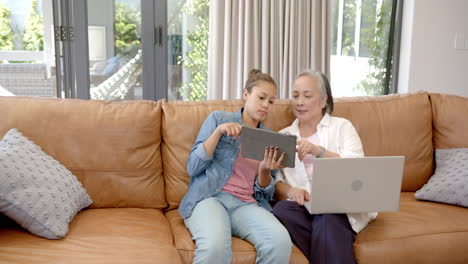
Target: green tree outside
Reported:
point(6, 34)
point(127, 37)
point(196, 58)
point(33, 38)
point(349, 25)
point(374, 84)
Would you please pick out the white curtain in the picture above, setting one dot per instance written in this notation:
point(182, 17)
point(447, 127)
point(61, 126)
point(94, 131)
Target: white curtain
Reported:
point(279, 37)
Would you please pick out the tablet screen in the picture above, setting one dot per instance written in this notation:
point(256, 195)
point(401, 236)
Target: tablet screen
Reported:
point(255, 140)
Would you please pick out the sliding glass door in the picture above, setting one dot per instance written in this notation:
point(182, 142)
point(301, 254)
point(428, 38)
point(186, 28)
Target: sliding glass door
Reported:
point(115, 50)
point(105, 49)
point(147, 49)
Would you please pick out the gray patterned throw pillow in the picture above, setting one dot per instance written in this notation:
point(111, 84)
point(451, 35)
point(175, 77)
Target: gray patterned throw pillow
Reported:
point(37, 191)
point(449, 184)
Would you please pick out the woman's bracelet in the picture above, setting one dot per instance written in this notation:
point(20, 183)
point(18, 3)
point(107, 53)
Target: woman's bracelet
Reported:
point(322, 151)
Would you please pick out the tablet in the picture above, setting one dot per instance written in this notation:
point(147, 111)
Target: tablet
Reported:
point(255, 140)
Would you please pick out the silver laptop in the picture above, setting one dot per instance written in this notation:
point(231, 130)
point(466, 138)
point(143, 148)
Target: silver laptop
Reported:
point(356, 185)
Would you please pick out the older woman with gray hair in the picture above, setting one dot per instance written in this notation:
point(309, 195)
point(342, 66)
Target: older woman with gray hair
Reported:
point(325, 238)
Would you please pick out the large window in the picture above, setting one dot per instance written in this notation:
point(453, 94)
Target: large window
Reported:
point(153, 49)
point(362, 33)
point(106, 49)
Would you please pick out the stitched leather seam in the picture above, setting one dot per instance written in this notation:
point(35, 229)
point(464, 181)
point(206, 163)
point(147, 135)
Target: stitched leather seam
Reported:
point(403, 237)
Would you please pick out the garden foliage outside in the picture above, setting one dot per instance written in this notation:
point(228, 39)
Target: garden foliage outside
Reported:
point(6, 33)
point(33, 38)
point(126, 24)
point(33, 35)
point(377, 41)
point(195, 60)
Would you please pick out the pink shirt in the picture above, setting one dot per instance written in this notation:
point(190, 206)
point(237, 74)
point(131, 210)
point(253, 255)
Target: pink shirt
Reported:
point(243, 178)
point(308, 159)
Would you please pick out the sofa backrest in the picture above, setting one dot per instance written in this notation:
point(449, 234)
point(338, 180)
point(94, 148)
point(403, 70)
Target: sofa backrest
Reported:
point(112, 147)
point(450, 121)
point(395, 125)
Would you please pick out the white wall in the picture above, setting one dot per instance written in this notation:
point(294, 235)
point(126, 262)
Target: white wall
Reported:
point(428, 58)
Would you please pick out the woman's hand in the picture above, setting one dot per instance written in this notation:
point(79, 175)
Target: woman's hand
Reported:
point(230, 129)
point(270, 159)
point(270, 162)
point(298, 195)
point(304, 147)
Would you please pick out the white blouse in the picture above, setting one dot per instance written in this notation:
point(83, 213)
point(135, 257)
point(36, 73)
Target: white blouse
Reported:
point(336, 135)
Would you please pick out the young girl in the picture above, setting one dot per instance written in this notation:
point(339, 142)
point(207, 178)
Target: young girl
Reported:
point(228, 194)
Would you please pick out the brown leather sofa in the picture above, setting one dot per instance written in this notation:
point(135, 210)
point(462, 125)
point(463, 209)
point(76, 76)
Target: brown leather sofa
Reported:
point(130, 156)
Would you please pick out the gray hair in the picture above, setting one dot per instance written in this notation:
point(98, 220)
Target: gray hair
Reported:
point(324, 86)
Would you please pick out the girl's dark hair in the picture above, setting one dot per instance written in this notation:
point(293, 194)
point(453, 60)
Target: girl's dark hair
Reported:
point(256, 76)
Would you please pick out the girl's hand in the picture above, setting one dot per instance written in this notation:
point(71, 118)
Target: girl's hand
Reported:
point(270, 159)
point(298, 195)
point(304, 147)
point(230, 129)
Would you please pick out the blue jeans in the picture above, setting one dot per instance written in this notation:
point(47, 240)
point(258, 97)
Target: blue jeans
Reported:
point(214, 220)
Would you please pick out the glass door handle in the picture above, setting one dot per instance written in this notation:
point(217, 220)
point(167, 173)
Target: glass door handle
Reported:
point(158, 36)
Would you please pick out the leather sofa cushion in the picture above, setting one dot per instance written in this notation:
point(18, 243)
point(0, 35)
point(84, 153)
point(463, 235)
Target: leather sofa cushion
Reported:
point(118, 235)
point(420, 232)
point(243, 251)
point(450, 114)
point(112, 147)
point(180, 125)
point(395, 125)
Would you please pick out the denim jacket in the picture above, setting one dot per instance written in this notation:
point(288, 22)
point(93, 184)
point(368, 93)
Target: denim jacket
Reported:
point(208, 175)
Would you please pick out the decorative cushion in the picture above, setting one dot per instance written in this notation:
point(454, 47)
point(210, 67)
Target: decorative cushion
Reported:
point(37, 191)
point(449, 184)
